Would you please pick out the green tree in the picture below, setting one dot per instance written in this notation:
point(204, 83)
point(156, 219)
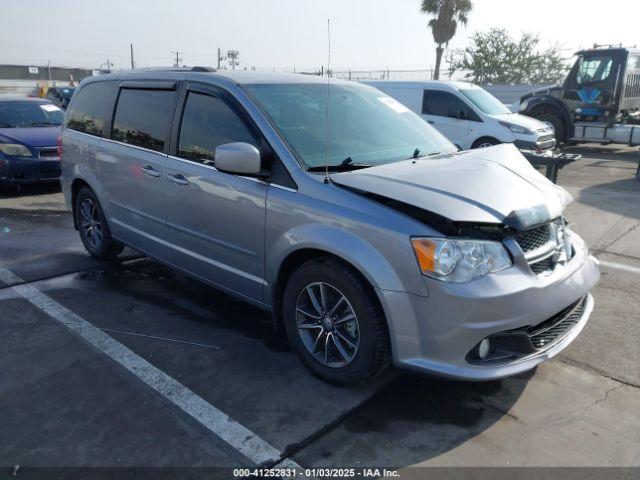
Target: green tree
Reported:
point(447, 14)
point(495, 58)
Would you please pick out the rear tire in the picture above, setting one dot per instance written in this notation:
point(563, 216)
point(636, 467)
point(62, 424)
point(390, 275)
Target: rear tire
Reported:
point(93, 228)
point(556, 123)
point(336, 348)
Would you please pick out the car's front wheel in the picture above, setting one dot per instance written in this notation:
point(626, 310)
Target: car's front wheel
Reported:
point(334, 322)
point(93, 228)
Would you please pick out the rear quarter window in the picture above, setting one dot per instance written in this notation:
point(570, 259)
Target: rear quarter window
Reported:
point(91, 107)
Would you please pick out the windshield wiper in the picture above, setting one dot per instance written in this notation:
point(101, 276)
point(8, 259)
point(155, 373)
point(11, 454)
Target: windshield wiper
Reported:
point(40, 124)
point(342, 167)
point(7, 125)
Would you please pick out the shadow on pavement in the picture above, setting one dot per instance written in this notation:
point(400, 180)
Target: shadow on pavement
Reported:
point(404, 420)
point(30, 189)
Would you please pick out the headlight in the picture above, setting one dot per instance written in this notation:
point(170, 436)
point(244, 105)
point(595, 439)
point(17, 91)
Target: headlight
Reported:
point(516, 128)
point(15, 150)
point(459, 261)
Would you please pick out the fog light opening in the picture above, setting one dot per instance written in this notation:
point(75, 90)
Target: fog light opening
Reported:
point(483, 348)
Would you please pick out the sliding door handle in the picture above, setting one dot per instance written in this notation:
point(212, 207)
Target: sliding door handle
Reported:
point(177, 178)
point(150, 170)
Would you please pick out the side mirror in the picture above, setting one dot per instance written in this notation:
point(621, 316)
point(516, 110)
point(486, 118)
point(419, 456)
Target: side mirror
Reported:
point(238, 158)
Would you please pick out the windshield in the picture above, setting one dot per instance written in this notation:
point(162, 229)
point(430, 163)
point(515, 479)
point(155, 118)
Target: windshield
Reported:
point(484, 101)
point(594, 69)
point(67, 92)
point(29, 114)
point(365, 125)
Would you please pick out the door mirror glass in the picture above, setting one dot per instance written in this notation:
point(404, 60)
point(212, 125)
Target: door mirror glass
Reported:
point(239, 158)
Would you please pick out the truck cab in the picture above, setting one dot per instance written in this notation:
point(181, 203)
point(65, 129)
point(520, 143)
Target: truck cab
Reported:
point(602, 89)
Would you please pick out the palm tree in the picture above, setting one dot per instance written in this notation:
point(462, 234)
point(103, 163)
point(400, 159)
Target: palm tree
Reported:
point(447, 14)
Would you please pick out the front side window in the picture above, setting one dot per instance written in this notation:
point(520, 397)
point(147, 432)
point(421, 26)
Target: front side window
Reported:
point(364, 125)
point(445, 104)
point(143, 117)
point(17, 114)
point(207, 122)
point(88, 111)
point(594, 69)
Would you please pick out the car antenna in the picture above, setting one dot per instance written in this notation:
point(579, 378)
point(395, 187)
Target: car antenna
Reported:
point(326, 143)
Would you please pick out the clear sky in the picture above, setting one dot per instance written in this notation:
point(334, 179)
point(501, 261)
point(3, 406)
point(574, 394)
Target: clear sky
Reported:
point(283, 34)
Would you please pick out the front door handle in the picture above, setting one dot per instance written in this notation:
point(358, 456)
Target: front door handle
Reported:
point(177, 178)
point(430, 121)
point(149, 170)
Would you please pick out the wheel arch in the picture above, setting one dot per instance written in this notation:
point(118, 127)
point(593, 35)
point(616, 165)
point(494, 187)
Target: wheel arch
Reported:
point(479, 140)
point(338, 244)
point(551, 106)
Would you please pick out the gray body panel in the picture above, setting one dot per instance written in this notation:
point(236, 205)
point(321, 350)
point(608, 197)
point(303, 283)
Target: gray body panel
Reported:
point(235, 232)
point(205, 234)
point(132, 180)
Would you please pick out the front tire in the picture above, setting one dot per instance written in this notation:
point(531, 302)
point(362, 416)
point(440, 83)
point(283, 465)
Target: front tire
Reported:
point(334, 322)
point(93, 228)
point(485, 142)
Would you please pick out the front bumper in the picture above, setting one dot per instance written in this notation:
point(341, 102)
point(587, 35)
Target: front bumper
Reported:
point(436, 333)
point(20, 170)
point(537, 143)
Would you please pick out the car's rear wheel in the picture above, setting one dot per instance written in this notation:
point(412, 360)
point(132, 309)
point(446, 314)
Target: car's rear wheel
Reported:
point(93, 228)
point(334, 322)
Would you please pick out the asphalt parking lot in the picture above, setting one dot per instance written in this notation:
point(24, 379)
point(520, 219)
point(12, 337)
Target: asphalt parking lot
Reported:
point(132, 364)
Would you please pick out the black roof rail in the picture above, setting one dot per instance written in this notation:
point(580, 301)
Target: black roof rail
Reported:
point(198, 68)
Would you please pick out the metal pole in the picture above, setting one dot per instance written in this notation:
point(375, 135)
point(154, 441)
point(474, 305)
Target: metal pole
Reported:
point(219, 58)
point(132, 64)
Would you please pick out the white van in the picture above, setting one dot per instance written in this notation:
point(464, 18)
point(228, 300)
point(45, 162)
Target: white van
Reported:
point(468, 115)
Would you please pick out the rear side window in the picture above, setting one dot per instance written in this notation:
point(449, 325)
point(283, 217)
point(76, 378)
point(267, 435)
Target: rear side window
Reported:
point(445, 104)
point(207, 122)
point(88, 111)
point(143, 117)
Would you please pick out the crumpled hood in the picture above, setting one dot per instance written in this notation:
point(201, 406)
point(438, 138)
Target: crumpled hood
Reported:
point(31, 137)
point(485, 185)
point(522, 121)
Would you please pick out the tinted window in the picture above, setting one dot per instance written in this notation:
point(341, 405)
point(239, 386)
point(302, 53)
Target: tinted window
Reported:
point(89, 109)
point(29, 114)
point(142, 117)
point(206, 123)
point(445, 104)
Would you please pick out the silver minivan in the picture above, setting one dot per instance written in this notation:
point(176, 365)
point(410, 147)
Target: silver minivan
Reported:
point(366, 233)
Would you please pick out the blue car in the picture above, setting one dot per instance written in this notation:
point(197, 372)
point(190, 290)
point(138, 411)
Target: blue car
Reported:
point(29, 132)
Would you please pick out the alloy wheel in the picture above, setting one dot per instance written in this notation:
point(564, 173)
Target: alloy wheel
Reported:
point(90, 223)
point(327, 324)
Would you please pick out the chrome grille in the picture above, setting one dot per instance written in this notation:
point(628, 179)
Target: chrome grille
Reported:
point(545, 246)
point(545, 138)
point(552, 329)
point(530, 240)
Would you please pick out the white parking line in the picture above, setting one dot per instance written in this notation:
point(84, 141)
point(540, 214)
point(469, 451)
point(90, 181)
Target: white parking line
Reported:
point(239, 437)
point(620, 266)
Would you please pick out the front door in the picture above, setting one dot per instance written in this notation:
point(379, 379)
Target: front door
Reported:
point(216, 220)
point(448, 114)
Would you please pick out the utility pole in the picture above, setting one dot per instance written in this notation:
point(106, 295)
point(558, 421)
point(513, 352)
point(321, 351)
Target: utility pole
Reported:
point(133, 65)
point(178, 59)
point(219, 57)
point(108, 63)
